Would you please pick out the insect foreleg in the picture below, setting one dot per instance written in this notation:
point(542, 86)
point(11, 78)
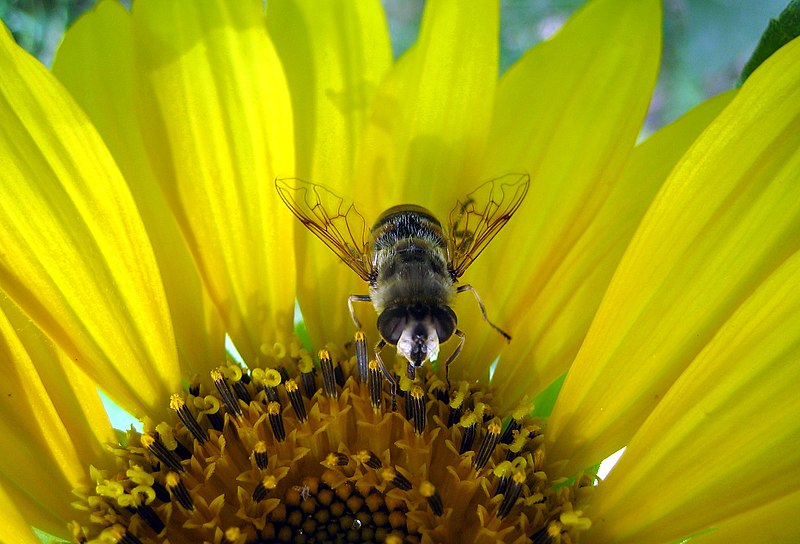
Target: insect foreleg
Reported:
point(462, 288)
point(356, 298)
point(392, 381)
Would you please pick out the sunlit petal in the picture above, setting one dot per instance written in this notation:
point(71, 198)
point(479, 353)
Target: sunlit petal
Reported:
point(776, 522)
point(51, 420)
point(12, 521)
point(216, 117)
point(335, 55)
point(427, 133)
point(728, 216)
point(76, 257)
point(725, 436)
point(568, 113)
point(594, 257)
point(101, 42)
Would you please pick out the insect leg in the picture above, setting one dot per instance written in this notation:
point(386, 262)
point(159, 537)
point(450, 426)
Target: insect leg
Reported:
point(453, 355)
point(462, 288)
point(357, 298)
point(392, 381)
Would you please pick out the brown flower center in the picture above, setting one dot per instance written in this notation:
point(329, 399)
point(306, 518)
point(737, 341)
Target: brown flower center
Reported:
point(299, 453)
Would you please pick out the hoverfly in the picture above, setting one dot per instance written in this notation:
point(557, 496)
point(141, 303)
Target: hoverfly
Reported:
point(411, 263)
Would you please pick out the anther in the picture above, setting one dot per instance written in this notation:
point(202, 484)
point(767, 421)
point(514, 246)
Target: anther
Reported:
point(457, 405)
point(178, 490)
point(518, 442)
point(490, 440)
point(416, 399)
point(470, 424)
point(511, 493)
point(508, 434)
point(194, 386)
point(150, 517)
point(336, 459)
point(276, 421)
point(397, 479)
point(232, 536)
point(211, 409)
point(306, 367)
point(296, 399)
point(119, 535)
point(369, 459)
point(375, 384)
point(154, 446)
point(405, 389)
point(231, 402)
point(548, 534)
point(338, 373)
point(267, 484)
point(167, 437)
point(260, 454)
point(428, 490)
point(161, 492)
point(236, 374)
point(270, 381)
point(361, 355)
point(186, 417)
point(328, 375)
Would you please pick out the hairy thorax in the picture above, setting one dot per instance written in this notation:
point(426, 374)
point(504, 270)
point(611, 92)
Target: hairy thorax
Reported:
point(412, 271)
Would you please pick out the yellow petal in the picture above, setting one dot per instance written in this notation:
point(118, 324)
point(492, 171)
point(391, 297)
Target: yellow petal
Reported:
point(568, 113)
point(75, 255)
point(12, 522)
point(334, 55)
point(427, 132)
point(216, 118)
point(51, 420)
point(724, 438)
point(95, 62)
point(728, 216)
point(549, 331)
point(775, 522)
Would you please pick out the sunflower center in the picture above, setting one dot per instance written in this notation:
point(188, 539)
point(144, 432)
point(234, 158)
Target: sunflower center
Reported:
point(306, 453)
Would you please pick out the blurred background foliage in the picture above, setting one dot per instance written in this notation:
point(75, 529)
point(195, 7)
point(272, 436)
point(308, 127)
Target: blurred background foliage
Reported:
point(706, 42)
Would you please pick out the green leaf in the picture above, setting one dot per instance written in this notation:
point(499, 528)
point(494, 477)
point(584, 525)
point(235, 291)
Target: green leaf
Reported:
point(779, 32)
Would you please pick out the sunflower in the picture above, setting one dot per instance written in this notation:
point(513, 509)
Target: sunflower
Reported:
point(652, 287)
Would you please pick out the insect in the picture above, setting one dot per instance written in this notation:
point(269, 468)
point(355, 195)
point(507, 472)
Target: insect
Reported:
point(409, 260)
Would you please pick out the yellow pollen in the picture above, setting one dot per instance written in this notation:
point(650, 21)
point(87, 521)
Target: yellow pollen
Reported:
point(373, 365)
point(468, 420)
point(274, 408)
point(426, 489)
point(306, 364)
point(291, 386)
point(269, 482)
point(493, 428)
point(417, 392)
point(175, 401)
point(172, 479)
point(361, 336)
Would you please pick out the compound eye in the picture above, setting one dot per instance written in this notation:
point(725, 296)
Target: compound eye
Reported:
point(445, 321)
point(391, 324)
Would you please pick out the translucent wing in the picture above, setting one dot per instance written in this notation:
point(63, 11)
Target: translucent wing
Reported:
point(479, 217)
point(334, 221)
